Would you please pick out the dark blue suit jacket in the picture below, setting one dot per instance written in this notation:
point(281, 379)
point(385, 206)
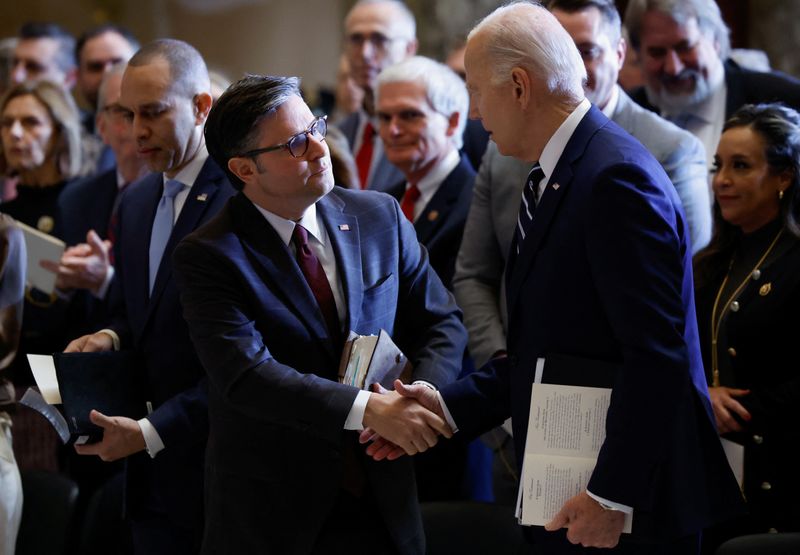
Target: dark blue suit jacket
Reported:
point(277, 412)
point(154, 327)
point(441, 224)
point(87, 204)
point(605, 274)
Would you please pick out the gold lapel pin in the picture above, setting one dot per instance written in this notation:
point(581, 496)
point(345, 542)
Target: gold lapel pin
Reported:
point(765, 289)
point(344, 227)
point(203, 197)
point(432, 215)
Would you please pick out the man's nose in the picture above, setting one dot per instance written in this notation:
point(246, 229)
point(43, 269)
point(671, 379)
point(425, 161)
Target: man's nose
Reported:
point(672, 63)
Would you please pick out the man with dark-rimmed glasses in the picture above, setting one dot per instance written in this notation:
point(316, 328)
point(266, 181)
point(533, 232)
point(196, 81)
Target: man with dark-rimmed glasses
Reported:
point(271, 287)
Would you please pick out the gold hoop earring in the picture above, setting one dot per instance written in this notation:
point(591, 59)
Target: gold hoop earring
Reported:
point(780, 195)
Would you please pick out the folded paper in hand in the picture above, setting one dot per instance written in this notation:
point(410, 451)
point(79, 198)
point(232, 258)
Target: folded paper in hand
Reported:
point(109, 382)
point(369, 359)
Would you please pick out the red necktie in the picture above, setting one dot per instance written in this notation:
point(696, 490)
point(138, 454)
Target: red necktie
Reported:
point(409, 201)
point(364, 156)
point(317, 281)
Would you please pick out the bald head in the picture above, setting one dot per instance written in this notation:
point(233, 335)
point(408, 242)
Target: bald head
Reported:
point(378, 33)
point(187, 69)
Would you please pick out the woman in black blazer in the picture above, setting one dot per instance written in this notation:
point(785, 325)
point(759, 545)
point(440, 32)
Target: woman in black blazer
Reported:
point(747, 285)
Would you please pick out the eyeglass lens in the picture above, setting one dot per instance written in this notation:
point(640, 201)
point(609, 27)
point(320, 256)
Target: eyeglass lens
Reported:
point(298, 145)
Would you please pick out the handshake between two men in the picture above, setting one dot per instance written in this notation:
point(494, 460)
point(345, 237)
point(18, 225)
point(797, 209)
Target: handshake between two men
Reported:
point(405, 421)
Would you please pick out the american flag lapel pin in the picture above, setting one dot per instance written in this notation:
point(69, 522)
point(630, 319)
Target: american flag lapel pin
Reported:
point(203, 197)
point(344, 227)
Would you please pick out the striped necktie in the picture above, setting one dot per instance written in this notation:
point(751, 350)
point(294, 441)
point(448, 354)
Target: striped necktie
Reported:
point(527, 205)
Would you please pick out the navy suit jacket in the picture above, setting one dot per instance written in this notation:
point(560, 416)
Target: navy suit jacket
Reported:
point(745, 86)
point(154, 327)
point(277, 412)
point(441, 224)
point(87, 204)
point(605, 274)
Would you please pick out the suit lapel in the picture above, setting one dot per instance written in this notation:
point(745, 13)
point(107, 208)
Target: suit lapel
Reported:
point(343, 232)
point(268, 250)
point(201, 196)
point(435, 213)
point(554, 192)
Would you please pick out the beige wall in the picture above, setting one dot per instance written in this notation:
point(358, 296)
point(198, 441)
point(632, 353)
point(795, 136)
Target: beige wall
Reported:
point(300, 37)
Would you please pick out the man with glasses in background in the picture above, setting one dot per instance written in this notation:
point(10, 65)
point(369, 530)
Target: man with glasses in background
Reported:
point(378, 33)
point(271, 287)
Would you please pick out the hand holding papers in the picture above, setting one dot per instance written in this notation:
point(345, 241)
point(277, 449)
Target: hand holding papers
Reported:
point(566, 429)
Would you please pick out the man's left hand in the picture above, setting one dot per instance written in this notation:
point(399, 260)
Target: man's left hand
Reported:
point(588, 523)
point(121, 437)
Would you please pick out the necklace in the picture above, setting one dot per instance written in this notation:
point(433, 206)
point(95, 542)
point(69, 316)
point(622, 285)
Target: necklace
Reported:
point(716, 320)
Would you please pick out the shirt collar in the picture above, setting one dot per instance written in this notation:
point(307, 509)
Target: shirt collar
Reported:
point(285, 228)
point(190, 171)
point(437, 174)
point(555, 146)
point(611, 105)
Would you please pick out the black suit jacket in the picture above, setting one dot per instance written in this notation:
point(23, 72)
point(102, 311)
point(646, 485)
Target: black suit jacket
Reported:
point(277, 440)
point(745, 86)
point(441, 224)
point(153, 326)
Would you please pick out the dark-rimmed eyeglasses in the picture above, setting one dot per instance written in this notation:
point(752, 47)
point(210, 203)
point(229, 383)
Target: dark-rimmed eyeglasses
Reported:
point(297, 145)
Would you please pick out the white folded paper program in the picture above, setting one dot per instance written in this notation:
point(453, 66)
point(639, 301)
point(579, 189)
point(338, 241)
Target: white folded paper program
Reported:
point(566, 428)
point(41, 246)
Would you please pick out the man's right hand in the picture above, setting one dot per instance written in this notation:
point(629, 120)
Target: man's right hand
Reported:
point(93, 343)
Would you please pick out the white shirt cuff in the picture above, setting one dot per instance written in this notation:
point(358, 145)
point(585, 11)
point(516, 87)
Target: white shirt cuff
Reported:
point(355, 418)
point(113, 335)
point(610, 505)
point(103, 289)
point(447, 415)
point(152, 440)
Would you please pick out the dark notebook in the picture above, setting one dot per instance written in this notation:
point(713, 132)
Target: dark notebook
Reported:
point(110, 382)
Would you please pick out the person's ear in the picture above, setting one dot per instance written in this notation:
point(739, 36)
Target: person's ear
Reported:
point(521, 86)
point(202, 103)
point(243, 168)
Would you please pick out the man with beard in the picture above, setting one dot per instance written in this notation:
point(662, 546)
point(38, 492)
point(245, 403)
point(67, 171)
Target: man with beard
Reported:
point(683, 48)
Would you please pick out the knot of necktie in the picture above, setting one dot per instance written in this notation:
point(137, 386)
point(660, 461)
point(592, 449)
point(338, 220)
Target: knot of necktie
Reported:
point(172, 187)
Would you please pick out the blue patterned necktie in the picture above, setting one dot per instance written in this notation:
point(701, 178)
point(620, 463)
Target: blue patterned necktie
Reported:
point(527, 205)
point(162, 226)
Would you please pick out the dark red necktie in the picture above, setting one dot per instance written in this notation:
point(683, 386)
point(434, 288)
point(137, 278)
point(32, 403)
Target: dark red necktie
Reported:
point(409, 201)
point(364, 156)
point(317, 281)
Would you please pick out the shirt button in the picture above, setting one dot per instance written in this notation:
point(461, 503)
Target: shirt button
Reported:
point(732, 351)
point(758, 440)
point(766, 486)
point(735, 306)
point(772, 531)
point(756, 274)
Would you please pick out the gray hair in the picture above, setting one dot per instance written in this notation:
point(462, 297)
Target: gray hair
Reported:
point(526, 35)
point(706, 12)
point(444, 89)
point(116, 69)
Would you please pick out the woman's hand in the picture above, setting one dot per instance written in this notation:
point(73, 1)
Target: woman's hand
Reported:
point(725, 405)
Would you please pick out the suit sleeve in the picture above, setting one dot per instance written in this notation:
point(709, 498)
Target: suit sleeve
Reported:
point(688, 171)
point(479, 272)
point(428, 324)
point(636, 244)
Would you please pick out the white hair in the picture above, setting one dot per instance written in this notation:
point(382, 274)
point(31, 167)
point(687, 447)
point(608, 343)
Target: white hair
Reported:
point(444, 89)
point(116, 69)
point(526, 35)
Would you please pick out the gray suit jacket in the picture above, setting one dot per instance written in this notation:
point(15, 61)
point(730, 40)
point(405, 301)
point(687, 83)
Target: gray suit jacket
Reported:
point(383, 174)
point(478, 283)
